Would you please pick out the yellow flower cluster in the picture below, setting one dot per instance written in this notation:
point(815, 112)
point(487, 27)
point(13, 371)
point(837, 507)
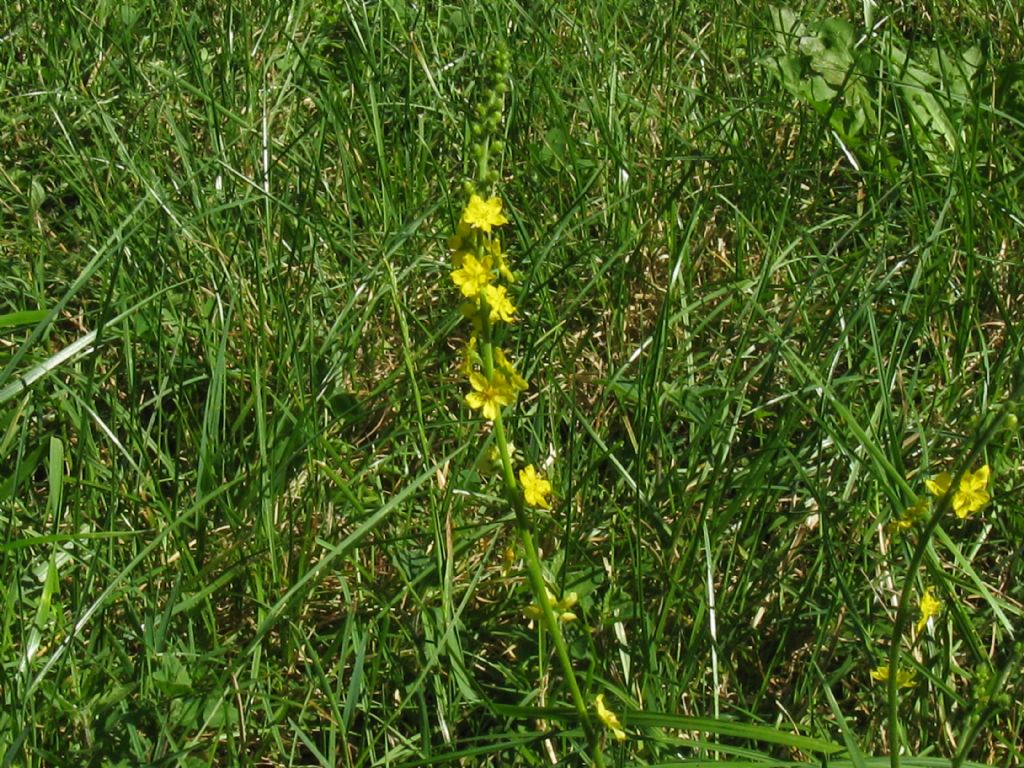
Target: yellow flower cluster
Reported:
point(478, 264)
point(562, 608)
point(970, 495)
point(476, 253)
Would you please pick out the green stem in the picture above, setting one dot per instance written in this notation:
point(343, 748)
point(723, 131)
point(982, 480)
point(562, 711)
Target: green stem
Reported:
point(900, 625)
point(533, 566)
point(485, 157)
point(903, 610)
point(976, 720)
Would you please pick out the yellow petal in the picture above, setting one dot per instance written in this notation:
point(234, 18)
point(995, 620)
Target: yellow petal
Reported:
point(609, 718)
point(980, 478)
point(939, 484)
point(929, 607)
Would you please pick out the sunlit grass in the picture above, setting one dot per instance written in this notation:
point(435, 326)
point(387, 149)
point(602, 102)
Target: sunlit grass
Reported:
point(244, 519)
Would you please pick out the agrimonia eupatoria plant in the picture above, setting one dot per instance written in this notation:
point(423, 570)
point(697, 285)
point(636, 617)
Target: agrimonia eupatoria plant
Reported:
point(482, 272)
point(964, 494)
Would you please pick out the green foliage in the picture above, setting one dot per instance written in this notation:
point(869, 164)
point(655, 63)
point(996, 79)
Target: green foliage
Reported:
point(852, 78)
point(822, 66)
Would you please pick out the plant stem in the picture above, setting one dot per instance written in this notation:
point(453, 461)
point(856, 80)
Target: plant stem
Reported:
point(976, 722)
point(485, 157)
point(903, 609)
point(533, 566)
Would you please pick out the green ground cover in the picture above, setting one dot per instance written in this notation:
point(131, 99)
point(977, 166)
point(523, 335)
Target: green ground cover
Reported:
point(769, 289)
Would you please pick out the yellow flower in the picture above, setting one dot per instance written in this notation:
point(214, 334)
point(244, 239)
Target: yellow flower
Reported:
point(494, 249)
point(938, 485)
point(503, 364)
point(930, 606)
point(473, 275)
point(562, 608)
point(501, 306)
point(911, 515)
point(489, 395)
point(609, 718)
point(970, 496)
point(535, 489)
point(483, 214)
point(904, 678)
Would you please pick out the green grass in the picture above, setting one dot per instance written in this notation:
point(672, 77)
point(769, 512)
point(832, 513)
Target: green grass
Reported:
point(242, 521)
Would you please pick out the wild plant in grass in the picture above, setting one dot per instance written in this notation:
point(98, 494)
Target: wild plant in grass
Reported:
point(482, 272)
point(965, 495)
